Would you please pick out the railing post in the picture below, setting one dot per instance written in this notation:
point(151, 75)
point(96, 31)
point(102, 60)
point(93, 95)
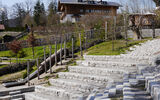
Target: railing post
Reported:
point(72, 48)
point(38, 68)
point(10, 60)
point(65, 49)
point(55, 53)
point(106, 30)
point(50, 59)
point(80, 44)
point(125, 30)
point(45, 65)
point(61, 52)
point(28, 68)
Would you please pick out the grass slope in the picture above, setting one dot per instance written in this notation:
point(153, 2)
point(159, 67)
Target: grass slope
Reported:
point(105, 48)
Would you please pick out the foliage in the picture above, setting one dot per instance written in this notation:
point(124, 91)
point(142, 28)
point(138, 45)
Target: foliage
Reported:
point(4, 17)
point(21, 54)
point(82, 39)
point(15, 46)
point(157, 20)
point(157, 2)
point(92, 20)
point(28, 20)
point(31, 42)
point(19, 13)
point(52, 18)
point(39, 14)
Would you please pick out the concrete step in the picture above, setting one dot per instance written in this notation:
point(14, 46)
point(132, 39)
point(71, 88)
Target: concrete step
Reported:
point(87, 77)
point(14, 92)
point(119, 58)
point(41, 96)
point(105, 64)
point(23, 89)
point(74, 85)
point(59, 92)
point(96, 71)
point(17, 96)
point(18, 99)
point(10, 97)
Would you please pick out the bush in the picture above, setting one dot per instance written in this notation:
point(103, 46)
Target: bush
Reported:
point(21, 54)
point(82, 39)
point(24, 74)
point(12, 54)
point(69, 44)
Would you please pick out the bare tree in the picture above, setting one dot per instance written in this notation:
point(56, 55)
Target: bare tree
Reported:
point(18, 13)
point(31, 41)
point(157, 2)
point(89, 21)
point(28, 6)
point(28, 20)
point(15, 47)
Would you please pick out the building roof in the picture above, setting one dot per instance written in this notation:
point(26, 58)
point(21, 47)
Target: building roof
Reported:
point(84, 2)
point(143, 14)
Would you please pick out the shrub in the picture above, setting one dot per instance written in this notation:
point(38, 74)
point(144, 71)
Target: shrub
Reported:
point(21, 54)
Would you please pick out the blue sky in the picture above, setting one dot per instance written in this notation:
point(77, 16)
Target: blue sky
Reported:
point(9, 3)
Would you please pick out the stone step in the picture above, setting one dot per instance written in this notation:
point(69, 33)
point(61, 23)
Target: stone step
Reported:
point(134, 59)
point(59, 92)
point(74, 85)
point(128, 97)
point(14, 92)
point(104, 64)
point(17, 96)
point(96, 71)
point(10, 97)
point(87, 77)
point(104, 58)
point(18, 99)
point(41, 96)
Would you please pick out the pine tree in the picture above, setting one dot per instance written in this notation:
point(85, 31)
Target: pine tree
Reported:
point(37, 12)
point(52, 16)
point(4, 18)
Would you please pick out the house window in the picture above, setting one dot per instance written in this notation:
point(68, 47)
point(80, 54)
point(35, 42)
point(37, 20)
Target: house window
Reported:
point(81, 10)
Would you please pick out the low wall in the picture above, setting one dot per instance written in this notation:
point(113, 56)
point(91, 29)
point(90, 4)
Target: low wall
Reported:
point(14, 68)
point(145, 33)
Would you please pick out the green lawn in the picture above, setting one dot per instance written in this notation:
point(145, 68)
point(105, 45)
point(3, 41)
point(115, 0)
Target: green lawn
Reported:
point(39, 52)
point(36, 35)
point(1, 66)
point(105, 48)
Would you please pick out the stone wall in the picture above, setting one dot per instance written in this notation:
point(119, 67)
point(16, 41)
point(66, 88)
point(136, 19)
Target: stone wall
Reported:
point(145, 33)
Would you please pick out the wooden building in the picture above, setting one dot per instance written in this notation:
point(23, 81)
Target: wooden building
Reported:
point(144, 20)
point(72, 10)
point(2, 28)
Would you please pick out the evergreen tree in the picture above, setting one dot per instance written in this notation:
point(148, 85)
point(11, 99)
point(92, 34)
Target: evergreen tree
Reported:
point(39, 14)
point(52, 16)
point(4, 17)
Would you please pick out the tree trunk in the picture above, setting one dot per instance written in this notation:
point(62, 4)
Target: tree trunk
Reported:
point(33, 51)
point(137, 33)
